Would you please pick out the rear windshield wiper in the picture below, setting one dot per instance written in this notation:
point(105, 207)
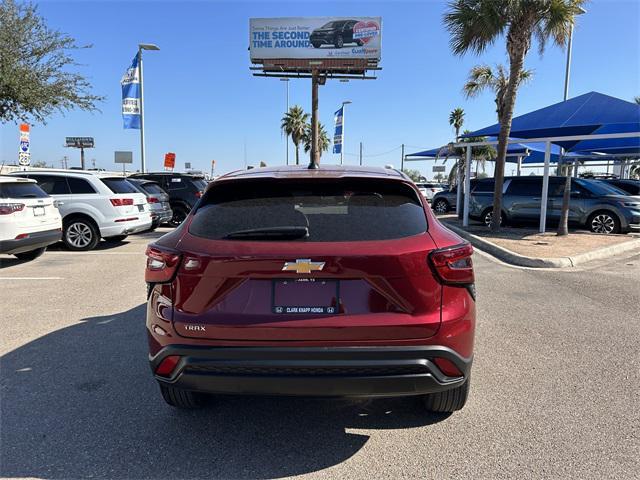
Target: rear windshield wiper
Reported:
point(270, 233)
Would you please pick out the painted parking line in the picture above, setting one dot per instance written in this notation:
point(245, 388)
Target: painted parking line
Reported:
point(31, 278)
point(95, 253)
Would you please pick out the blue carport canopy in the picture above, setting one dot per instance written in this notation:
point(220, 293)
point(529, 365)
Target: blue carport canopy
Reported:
point(514, 150)
point(583, 115)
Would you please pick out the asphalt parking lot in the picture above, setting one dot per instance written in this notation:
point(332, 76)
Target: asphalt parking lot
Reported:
point(555, 389)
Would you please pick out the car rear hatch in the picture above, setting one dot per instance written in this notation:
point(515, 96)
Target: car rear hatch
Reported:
point(127, 200)
point(249, 271)
point(31, 209)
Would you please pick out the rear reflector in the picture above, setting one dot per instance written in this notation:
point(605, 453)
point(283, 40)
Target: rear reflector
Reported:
point(166, 367)
point(453, 265)
point(121, 202)
point(128, 219)
point(21, 236)
point(447, 367)
point(161, 264)
point(9, 208)
point(153, 200)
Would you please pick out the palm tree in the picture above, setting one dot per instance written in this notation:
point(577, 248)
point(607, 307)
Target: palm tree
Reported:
point(479, 153)
point(323, 139)
point(294, 124)
point(456, 120)
point(475, 25)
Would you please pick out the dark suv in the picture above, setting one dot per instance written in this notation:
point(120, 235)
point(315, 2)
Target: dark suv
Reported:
point(594, 204)
point(330, 282)
point(632, 187)
point(336, 33)
point(184, 190)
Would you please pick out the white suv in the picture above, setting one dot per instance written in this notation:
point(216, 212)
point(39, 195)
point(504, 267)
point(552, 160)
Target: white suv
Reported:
point(29, 221)
point(93, 206)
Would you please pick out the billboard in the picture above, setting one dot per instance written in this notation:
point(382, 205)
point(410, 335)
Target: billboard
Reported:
point(315, 38)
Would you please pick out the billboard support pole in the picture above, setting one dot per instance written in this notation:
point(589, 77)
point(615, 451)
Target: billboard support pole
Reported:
point(82, 157)
point(315, 154)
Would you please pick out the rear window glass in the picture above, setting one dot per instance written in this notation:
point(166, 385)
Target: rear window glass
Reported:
point(200, 183)
point(21, 190)
point(598, 187)
point(152, 188)
point(119, 185)
point(336, 211)
point(79, 185)
point(487, 186)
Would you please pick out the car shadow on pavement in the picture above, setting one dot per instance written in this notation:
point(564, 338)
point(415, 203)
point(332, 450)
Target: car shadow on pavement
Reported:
point(81, 402)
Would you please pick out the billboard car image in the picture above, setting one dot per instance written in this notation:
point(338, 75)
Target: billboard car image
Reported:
point(315, 37)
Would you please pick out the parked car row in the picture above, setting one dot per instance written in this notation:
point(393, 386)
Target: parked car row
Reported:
point(43, 206)
point(602, 206)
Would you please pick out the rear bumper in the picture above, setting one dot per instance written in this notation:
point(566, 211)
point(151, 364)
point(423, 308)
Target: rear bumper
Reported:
point(312, 371)
point(32, 242)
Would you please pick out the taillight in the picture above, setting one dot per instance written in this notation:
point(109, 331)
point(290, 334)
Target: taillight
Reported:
point(161, 265)
point(167, 366)
point(9, 208)
point(198, 194)
point(453, 265)
point(153, 200)
point(121, 202)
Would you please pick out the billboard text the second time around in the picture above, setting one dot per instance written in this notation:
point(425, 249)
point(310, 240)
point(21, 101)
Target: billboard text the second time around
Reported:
point(315, 37)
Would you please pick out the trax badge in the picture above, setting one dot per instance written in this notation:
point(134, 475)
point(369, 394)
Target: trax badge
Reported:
point(303, 265)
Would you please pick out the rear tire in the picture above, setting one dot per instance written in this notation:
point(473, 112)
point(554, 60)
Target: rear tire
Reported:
point(30, 255)
point(441, 206)
point(448, 401)
point(80, 234)
point(115, 239)
point(487, 216)
point(179, 214)
point(181, 398)
point(316, 44)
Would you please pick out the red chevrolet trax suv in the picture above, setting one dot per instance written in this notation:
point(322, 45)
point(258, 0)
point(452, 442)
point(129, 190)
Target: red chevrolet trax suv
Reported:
point(330, 282)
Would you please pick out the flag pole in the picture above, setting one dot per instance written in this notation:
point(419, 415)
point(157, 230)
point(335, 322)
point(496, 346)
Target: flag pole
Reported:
point(143, 46)
point(142, 162)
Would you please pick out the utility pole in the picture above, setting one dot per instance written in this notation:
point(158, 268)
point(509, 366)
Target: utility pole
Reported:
point(360, 153)
point(402, 159)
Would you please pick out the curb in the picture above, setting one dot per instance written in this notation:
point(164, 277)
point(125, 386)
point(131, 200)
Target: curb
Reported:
point(513, 258)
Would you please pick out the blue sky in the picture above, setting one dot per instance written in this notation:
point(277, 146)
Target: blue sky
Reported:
point(202, 102)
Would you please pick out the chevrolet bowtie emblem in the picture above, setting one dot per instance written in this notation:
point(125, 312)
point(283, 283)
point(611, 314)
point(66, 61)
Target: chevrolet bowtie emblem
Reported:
point(303, 265)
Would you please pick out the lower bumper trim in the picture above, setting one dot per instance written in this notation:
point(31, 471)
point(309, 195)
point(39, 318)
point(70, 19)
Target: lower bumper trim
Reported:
point(314, 371)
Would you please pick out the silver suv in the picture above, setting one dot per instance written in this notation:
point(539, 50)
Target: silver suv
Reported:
point(594, 205)
point(93, 206)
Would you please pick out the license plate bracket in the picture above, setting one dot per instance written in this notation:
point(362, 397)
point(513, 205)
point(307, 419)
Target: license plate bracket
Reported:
point(303, 296)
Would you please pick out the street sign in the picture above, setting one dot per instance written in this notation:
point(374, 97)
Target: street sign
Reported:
point(24, 159)
point(24, 155)
point(79, 142)
point(439, 168)
point(123, 157)
point(170, 160)
point(187, 166)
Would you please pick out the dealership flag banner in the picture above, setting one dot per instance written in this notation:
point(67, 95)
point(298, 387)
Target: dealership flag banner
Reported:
point(337, 134)
point(131, 95)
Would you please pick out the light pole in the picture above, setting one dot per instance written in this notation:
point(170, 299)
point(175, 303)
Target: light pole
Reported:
point(567, 72)
point(286, 111)
point(143, 46)
point(344, 104)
